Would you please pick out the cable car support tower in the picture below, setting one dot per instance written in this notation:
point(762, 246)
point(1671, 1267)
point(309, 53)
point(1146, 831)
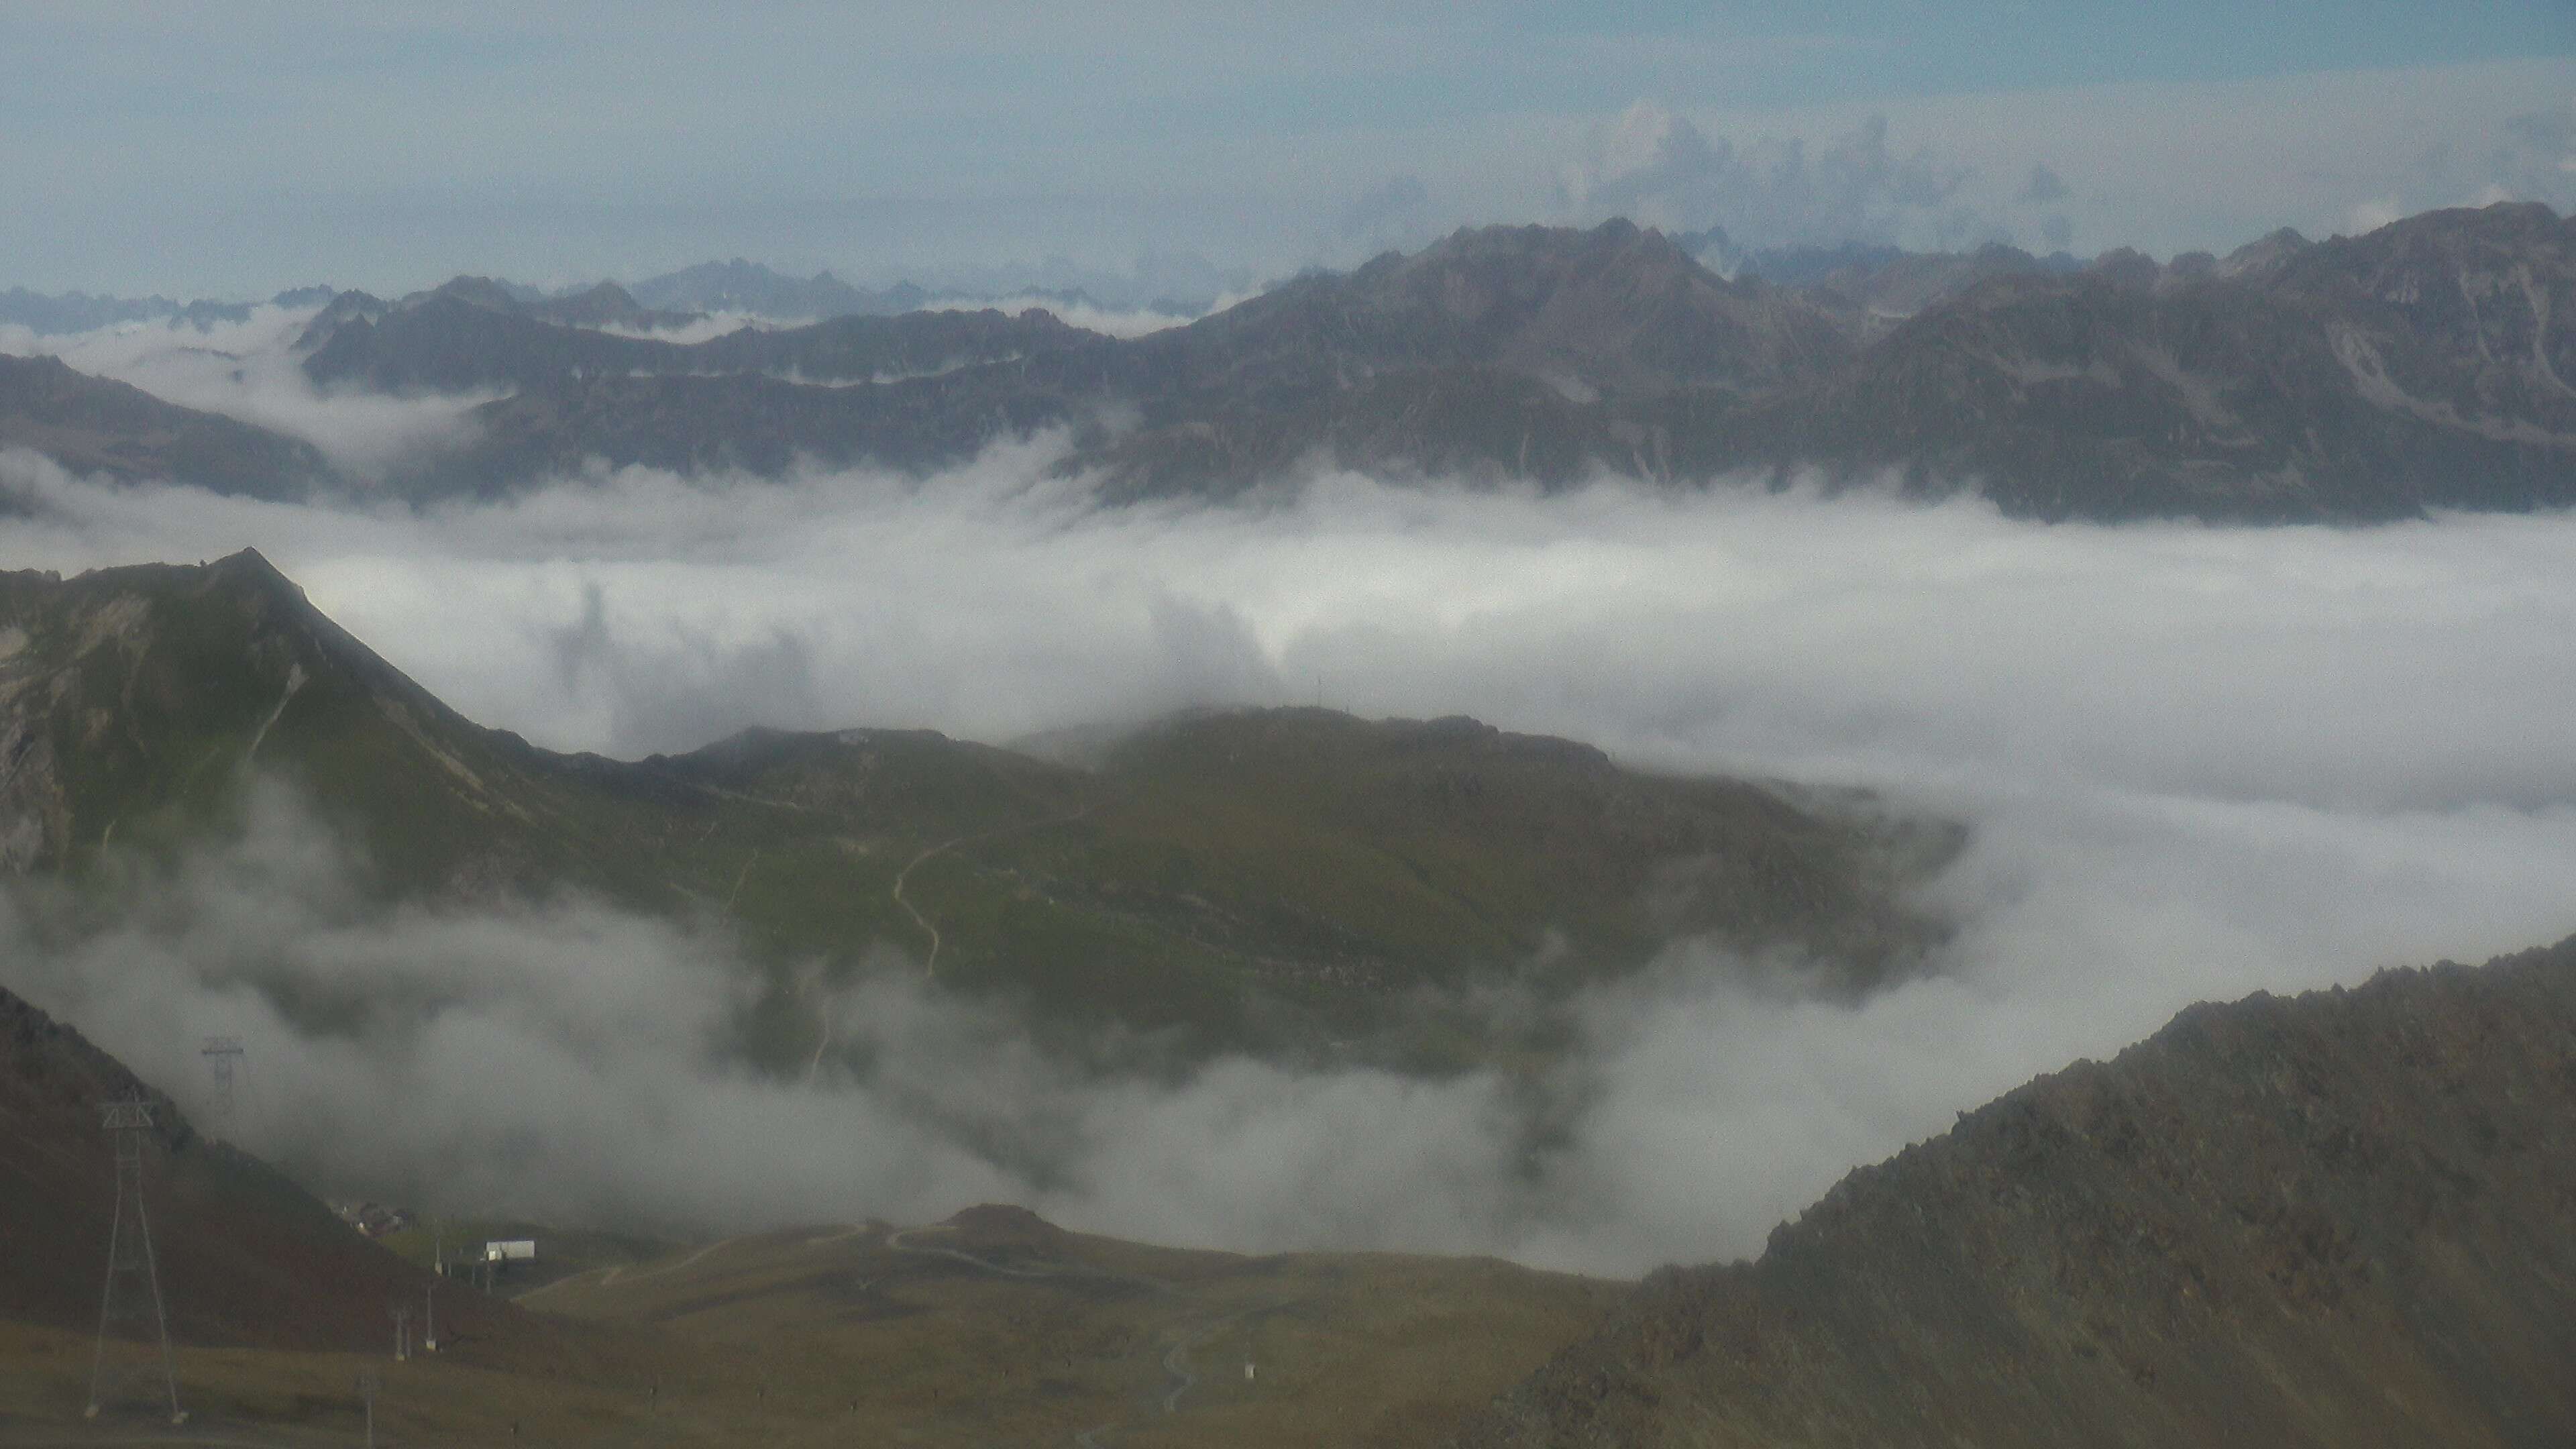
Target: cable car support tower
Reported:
point(130, 1309)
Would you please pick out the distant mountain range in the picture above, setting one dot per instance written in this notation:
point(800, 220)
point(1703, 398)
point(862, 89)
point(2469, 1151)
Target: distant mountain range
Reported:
point(2341, 1221)
point(740, 286)
point(735, 287)
point(2425, 365)
point(69, 312)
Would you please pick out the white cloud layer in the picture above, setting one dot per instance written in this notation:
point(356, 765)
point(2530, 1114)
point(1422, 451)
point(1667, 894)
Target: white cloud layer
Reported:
point(246, 370)
point(2197, 762)
point(1112, 321)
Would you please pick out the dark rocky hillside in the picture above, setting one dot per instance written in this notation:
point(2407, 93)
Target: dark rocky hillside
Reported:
point(2342, 1219)
point(246, 1257)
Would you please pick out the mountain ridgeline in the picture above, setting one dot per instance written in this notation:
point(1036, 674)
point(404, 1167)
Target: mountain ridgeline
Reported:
point(1289, 881)
point(2344, 1219)
point(2428, 364)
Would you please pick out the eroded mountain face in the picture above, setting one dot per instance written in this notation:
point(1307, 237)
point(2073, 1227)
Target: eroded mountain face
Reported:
point(2346, 1218)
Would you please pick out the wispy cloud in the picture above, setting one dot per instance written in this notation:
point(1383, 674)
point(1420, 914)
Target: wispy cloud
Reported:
point(246, 370)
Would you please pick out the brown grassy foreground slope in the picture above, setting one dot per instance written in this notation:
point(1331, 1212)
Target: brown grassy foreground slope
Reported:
point(992, 1328)
point(997, 1327)
point(2347, 1218)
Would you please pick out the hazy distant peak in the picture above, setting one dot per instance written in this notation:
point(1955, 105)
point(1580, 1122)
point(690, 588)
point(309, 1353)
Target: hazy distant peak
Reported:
point(481, 292)
point(606, 304)
point(2263, 254)
point(738, 285)
point(342, 309)
point(2126, 267)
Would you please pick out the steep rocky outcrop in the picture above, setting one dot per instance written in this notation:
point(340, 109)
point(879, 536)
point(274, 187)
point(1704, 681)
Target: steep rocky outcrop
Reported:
point(2342, 1219)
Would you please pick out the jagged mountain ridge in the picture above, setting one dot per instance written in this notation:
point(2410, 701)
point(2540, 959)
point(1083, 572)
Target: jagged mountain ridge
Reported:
point(747, 287)
point(2368, 377)
point(2425, 365)
point(71, 312)
point(2373, 377)
point(2346, 1218)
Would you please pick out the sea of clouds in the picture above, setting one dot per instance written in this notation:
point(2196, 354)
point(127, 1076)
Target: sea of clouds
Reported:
point(2196, 762)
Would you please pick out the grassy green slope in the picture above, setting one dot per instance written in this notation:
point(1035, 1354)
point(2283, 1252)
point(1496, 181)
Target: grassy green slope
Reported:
point(1265, 879)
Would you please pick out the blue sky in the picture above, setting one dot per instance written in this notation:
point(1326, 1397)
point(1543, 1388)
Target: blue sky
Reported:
point(235, 148)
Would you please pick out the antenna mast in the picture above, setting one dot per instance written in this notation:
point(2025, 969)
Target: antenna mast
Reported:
point(133, 1288)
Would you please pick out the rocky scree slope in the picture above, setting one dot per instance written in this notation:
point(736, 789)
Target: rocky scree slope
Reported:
point(2346, 1218)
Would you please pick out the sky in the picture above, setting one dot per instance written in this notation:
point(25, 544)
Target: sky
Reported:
point(232, 150)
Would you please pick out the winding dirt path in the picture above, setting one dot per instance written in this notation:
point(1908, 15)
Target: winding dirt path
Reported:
point(827, 1019)
point(618, 1273)
point(897, 1243)
point(930, 968)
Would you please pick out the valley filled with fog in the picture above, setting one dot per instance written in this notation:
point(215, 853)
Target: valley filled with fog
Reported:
point(2195, 762)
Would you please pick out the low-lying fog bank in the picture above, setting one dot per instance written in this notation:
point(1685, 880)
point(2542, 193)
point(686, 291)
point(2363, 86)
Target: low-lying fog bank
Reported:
point(2198, 762)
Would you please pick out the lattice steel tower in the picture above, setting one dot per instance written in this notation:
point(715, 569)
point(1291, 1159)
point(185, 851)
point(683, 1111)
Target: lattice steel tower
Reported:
point(130, 1310)
point(223, 1054)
